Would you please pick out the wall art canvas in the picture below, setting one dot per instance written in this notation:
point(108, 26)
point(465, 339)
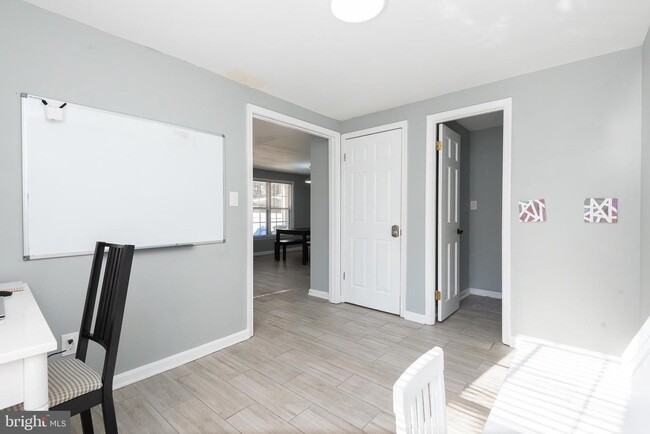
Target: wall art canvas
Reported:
point(601, 210)
point(532, 211)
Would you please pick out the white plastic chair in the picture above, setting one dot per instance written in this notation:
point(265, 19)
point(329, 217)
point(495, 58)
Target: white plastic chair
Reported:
point(419, 396)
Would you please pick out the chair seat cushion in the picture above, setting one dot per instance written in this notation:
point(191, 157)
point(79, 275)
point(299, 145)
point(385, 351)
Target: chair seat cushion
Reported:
point(69, 378)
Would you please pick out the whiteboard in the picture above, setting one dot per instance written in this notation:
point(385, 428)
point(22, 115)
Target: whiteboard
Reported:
point(97, 175)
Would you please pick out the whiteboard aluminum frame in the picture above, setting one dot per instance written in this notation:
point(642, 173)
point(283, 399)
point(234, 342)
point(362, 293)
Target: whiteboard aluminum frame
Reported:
point(25, 194)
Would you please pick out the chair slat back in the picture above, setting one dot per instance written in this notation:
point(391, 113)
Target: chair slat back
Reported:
point(419, 396)
point(102, 322)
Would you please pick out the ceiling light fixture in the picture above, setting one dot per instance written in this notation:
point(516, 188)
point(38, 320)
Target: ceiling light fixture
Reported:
point(357, 11)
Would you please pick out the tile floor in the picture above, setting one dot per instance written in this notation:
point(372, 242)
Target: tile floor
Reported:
point(315, 367)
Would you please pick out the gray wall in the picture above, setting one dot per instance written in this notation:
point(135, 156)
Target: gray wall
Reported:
point(179, 298)
point(465, 169)
point(301, 207)
point(319, 259)
point(566, 286)
point(485, 186)
point(645, 195)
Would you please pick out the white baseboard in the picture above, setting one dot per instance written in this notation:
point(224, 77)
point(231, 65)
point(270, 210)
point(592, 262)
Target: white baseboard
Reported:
point(485, 293)
point(415, 317)
point(271, 252)
point(319, 294)
point(481, 293)
point(171, 362)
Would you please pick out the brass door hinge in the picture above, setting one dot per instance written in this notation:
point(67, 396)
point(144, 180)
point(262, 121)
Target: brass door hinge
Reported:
point(438, 295)
point(438, 145)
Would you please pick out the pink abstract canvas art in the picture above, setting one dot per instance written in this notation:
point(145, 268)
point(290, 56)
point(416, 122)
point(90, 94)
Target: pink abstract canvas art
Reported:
point(532, 211)
point(601, 210)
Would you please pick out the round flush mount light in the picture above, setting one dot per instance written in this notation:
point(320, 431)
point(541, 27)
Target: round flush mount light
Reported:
point(357, 11)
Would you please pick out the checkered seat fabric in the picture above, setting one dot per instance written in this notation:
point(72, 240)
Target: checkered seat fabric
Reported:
point(68, 378)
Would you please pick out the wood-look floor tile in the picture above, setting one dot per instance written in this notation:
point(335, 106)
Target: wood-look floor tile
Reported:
point(382, 423)
point(393, 363)
point(319, 368)
point(306, 329)
point(194, 417)
point(372, 393)
point(220, 396)
point(125, 392)
point(258, 420)
point(421, 346)
point(307, 345)
point(182, 370)
point(267, 365)
point(316, 420)
point(361, 318)
point(380, 332)
point(276, 398)
point(163, 392)
point(137, 415)
point(291, 316)
point(387, 347)
point(349, 347)
point(464, 416)
point(222, 365)
point(268, 346)
point(343, 405)
point(461, 358)
point(364, 369)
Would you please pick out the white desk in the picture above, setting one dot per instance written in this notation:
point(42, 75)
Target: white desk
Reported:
point(25, 340)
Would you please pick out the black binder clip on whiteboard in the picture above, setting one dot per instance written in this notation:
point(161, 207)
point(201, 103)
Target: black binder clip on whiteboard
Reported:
point(53, 113)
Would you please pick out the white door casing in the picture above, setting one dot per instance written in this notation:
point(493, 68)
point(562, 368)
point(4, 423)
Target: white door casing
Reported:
point(430, 230)
point(372, 207)
point(448, 222)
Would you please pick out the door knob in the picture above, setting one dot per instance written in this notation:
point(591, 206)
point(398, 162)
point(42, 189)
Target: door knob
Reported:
point(394, 231)
point(459, 231)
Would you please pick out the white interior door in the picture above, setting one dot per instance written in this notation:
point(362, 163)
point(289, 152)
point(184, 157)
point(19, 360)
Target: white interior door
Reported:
point(372, 220)
point(448, 222)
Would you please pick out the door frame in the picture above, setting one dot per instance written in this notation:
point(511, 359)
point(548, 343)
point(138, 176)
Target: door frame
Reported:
point(403, 125)
point(334, 160)
point(431, 211)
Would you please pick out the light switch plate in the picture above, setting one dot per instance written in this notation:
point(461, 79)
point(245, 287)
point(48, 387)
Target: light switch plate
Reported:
point(473, 205)
point(234, 198)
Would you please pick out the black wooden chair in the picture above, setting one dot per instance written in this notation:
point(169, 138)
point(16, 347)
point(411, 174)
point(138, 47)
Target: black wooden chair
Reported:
point(73, 386)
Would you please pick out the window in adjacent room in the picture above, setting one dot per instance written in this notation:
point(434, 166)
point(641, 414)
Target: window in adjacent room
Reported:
point(272, 207)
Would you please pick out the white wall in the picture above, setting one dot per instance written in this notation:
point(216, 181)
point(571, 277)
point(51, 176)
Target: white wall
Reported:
point(576, 134)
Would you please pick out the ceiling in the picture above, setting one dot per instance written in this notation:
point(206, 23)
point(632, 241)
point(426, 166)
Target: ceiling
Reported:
point(414, 50)
point(481, 122)
point(280, 148)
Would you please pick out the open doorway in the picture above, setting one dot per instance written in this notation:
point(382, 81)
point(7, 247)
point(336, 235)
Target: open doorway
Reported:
point(468, 221)
point(282, 217)
point(293, 171)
